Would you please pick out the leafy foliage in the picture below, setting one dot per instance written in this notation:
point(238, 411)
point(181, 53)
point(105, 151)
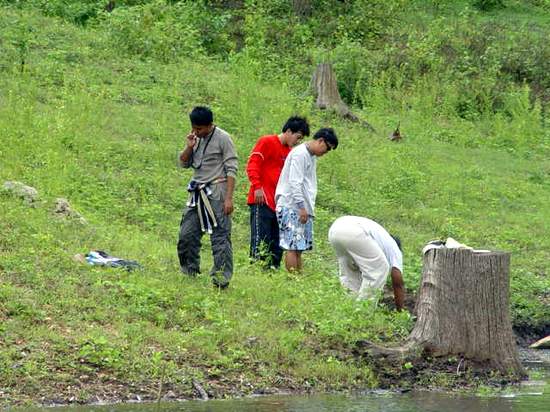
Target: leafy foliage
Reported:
point(486, 5)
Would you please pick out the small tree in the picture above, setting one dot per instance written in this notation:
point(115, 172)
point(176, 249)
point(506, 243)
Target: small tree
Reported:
point(487, 5)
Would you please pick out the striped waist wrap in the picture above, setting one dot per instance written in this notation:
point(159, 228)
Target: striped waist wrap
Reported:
point(198, 197)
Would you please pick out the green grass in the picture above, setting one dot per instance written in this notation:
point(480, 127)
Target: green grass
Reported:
point(103, 131)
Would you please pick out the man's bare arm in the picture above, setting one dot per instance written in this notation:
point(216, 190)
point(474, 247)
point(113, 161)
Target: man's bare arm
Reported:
point(398, 288)
point(228, 203)
point(185, 155)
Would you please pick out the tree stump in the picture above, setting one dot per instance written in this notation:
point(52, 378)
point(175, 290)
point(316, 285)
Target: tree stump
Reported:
point(463, 307)
point(327, 95)
point(463, 310)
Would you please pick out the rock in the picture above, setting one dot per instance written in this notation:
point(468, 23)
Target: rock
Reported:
point(170, 395)
point(198, 387)
point(80, 258)
point(266, 391)
point(543, 343)
point(251, 341)
point(62, 206)
point(63, 209)
point(27, 193)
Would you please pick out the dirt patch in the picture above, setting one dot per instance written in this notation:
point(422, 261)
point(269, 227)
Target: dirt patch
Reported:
point(451, 372)
point(388, 300)
point(445, 373)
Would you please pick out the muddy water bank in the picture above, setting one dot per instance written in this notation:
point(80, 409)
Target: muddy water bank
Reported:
point(529, 396)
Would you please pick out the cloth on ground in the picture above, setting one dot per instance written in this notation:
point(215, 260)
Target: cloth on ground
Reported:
point(101, 258)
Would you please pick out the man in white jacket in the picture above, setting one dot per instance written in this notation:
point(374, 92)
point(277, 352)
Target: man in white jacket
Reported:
point(367, 253)
point(295, 196)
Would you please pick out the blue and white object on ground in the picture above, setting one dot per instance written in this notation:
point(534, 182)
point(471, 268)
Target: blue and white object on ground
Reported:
point(101, 258)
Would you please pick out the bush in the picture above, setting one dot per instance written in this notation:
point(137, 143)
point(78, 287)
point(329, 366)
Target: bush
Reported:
point(156, 29)
point(486, 5)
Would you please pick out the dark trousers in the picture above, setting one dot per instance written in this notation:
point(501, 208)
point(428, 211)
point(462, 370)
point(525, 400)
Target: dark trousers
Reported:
point(264, 235)
point(189, 244)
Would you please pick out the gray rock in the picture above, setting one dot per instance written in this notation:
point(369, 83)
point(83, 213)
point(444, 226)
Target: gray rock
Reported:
point(27, 193)
point(63, 209)
point(80, 258)
point(169, 395)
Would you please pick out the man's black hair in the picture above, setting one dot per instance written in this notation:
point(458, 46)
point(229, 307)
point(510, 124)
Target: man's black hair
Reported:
point(297, 124)
point(201, 116)
point(328, 135)
point(398, 241)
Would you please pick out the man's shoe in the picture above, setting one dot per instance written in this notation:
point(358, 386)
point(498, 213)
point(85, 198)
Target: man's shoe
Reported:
point(190, 274)
point(220, 284)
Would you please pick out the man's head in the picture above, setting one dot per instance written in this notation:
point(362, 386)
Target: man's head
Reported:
point(202, 119)
point(294, 130)
point(324, 140)
point(398, 241)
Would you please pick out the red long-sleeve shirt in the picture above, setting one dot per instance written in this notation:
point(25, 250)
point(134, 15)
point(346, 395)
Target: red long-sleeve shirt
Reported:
point(264, 167)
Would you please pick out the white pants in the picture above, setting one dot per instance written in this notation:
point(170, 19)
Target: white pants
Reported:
point(363, 266)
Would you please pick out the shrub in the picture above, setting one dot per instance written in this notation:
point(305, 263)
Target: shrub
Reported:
point(156, 30)
point(486, 5)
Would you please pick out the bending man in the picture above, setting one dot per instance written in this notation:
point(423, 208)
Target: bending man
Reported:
point(367, 253)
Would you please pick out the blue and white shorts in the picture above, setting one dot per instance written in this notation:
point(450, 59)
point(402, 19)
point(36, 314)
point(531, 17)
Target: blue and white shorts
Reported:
point(294, 235)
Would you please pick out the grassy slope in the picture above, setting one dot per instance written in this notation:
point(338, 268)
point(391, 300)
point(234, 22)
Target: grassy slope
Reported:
point(103, 131)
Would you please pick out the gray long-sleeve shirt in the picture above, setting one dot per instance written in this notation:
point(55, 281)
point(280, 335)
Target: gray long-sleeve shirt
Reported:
point(297, 186)
point(213, 157)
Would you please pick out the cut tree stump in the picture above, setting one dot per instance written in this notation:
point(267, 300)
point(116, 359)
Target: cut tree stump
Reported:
point(325, 89)
point(463, 310)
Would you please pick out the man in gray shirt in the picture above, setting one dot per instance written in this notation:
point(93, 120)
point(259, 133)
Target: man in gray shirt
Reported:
point(295, 196)
point(210, 152)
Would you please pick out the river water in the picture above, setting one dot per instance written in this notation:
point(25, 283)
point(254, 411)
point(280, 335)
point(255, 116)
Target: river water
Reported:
point(531, 396)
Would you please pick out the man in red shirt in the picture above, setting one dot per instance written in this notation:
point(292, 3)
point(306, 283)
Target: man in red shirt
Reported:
point(263, 169)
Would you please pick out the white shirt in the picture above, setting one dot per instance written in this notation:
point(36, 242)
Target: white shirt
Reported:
point(297, 186)
point(380, 236)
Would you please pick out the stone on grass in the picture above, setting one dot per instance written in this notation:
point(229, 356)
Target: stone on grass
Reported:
point(27, 193)
point(80, 258)
point(63, 209)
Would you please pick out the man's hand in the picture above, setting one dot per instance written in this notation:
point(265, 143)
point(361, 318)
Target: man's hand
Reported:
point(228, 206)
point(259, 197)
point(398, 288)
point(185, 155)
point(303, 215)
point(228, 202)
point(191, 140)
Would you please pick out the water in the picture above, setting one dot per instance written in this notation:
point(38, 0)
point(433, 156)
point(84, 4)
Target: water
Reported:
point(531, 396)
point(532, 401)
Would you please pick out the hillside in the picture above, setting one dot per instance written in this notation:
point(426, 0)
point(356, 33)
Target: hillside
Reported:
point(101, 126)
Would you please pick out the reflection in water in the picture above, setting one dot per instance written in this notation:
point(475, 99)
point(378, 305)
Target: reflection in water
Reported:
point(533, 397)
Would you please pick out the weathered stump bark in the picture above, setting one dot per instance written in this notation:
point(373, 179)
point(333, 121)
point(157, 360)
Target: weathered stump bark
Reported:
point(327, 95)
point(463, 310)
point(463, 307)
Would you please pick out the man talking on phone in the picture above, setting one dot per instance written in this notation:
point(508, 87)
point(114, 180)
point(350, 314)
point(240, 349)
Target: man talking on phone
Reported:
point(210, 152)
